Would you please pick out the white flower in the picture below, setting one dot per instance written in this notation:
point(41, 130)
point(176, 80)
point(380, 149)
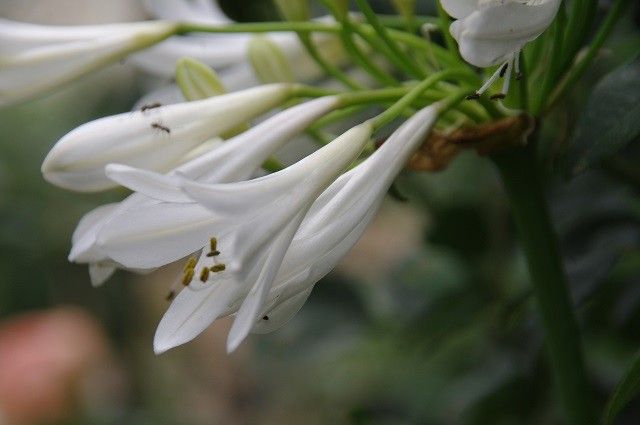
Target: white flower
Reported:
point(154, 139)
point(159, 211)
point(255, 222)
point(36, 58)
point(492, 32)
point(332, 226)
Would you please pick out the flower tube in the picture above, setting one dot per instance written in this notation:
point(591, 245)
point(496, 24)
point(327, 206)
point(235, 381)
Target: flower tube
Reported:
point(153, 139)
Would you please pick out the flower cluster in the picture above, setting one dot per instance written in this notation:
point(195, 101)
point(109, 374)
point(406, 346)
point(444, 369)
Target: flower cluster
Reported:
point(253, 244)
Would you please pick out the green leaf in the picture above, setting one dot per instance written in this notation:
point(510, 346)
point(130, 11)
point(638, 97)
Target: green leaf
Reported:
point(626, 390)
point(611, 119)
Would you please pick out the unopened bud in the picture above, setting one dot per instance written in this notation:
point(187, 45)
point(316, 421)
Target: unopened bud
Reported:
point(294, 10)
point(268, 61)
point(196, 80)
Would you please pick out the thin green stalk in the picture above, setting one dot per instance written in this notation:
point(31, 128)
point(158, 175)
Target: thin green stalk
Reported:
point(519, 174)
point(381, 31)
point(443, 23)
point(574, 74)
point(581, 18)
point(555, 67)
point(259, 27)
point(361, 59)
point(327, 67)
point(396, 109)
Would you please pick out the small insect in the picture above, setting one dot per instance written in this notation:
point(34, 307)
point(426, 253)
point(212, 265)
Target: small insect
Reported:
point(265, 317)
point(204, 274)
point(150, 106)
point(161, 127)
point(218, 268)
point(187, 277)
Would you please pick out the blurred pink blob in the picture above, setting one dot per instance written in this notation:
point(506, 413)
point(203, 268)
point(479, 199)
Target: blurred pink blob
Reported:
point(45, 360)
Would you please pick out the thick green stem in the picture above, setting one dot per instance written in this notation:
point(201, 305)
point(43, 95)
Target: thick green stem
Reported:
point(520, 177)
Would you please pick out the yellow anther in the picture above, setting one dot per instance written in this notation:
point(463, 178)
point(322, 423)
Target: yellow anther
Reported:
point(204, 274)
point(218, 268)
point(191, 264)
point(187, 277)
point(213, 254)
point(213, 244)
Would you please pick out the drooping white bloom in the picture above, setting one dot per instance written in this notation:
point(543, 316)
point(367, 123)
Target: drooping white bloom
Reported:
point(492, 32)
point(158, 198)
point(332, 226)
point(255, 222)
point(153, 139)
point(35, 58)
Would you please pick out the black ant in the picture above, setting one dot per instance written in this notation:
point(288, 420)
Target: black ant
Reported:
point(150, 106)
point(161, 127)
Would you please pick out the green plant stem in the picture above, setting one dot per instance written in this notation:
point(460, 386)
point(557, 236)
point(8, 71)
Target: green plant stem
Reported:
point(574, 74)
point(443, 23)
point(411, 67)
point(327, 67)
point(519, 174)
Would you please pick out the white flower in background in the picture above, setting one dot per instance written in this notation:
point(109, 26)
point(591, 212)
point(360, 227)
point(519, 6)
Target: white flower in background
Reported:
point(216, 50)
point(126, 227)
point(331, 227)
point(226, 53)
point(36, 58)
point(154, 139)
point(492, 32)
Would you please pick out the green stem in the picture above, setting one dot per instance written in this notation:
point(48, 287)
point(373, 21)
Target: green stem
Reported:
point(411, 67)
point(327, 67)
point(519, 174)
point(443, 23)
point(258, 27)
point(574, 74)
point(396, 109)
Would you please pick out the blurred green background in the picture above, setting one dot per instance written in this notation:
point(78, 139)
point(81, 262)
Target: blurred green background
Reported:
point(428, 321)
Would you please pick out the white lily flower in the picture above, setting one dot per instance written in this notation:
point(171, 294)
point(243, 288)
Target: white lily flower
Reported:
point(36, 58)
point(331, 227)
point(159, 195)
point(254, 224)
point(492, 32)
point(154, 139)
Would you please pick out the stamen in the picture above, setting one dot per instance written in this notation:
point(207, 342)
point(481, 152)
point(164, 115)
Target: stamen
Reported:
point(187, 277)
point(213, 254)
point(517, 66)
point(218, 268)
point(213, 243)
point(504, 69)
point(507, 78)
point(191, 264)
point(204, 274)
point(489, 82)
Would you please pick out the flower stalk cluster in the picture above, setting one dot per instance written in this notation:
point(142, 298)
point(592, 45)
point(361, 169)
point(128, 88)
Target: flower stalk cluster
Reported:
point(256, 242)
